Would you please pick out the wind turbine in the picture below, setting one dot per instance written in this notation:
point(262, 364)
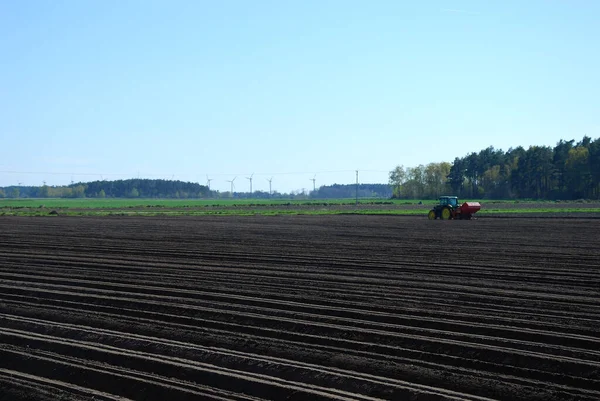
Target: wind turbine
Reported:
point(208, 180)
point(270, 179)
point(250, 179)
point(232, 186)
point(314, 179)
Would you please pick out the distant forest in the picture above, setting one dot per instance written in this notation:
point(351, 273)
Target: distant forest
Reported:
point(146, 188)
point(337, 191)
point(133, 188)
point(569, 170)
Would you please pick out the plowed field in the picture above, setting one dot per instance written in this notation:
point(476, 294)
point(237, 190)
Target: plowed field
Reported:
point(299, 308)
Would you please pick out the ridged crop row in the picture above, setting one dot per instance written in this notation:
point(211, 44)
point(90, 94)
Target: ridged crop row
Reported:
point(331, 307)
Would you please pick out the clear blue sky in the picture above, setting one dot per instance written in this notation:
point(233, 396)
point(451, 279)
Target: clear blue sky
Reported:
point(188, 88)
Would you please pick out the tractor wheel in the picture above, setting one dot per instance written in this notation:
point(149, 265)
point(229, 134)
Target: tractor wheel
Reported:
point(446, 214)
point(431, 215)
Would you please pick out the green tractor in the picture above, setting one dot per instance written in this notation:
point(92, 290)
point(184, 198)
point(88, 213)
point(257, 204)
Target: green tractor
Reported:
point(449, 208)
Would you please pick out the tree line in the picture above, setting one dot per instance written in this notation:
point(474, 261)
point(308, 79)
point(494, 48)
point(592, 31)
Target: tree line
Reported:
point(132, 188)
point(146, 188)
point(420, 182)
point(340, 191)
point(569, 170)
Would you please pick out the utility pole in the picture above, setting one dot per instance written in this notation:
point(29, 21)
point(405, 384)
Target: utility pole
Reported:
point(356, 187)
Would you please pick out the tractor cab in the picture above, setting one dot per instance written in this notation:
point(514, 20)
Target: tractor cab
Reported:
point(449, 201)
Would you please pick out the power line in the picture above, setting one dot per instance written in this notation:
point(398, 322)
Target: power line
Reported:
point(58, 173)
point(190, 177)
point(140, 173)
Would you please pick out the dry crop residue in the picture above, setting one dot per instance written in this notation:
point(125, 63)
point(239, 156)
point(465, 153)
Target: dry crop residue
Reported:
point(299, 308)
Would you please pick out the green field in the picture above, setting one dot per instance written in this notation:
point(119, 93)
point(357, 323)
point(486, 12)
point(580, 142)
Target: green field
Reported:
point(199, 207)
point(120, 203)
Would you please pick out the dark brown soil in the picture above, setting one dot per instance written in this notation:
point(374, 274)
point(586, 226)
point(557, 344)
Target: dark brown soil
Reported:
point(299, 308)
